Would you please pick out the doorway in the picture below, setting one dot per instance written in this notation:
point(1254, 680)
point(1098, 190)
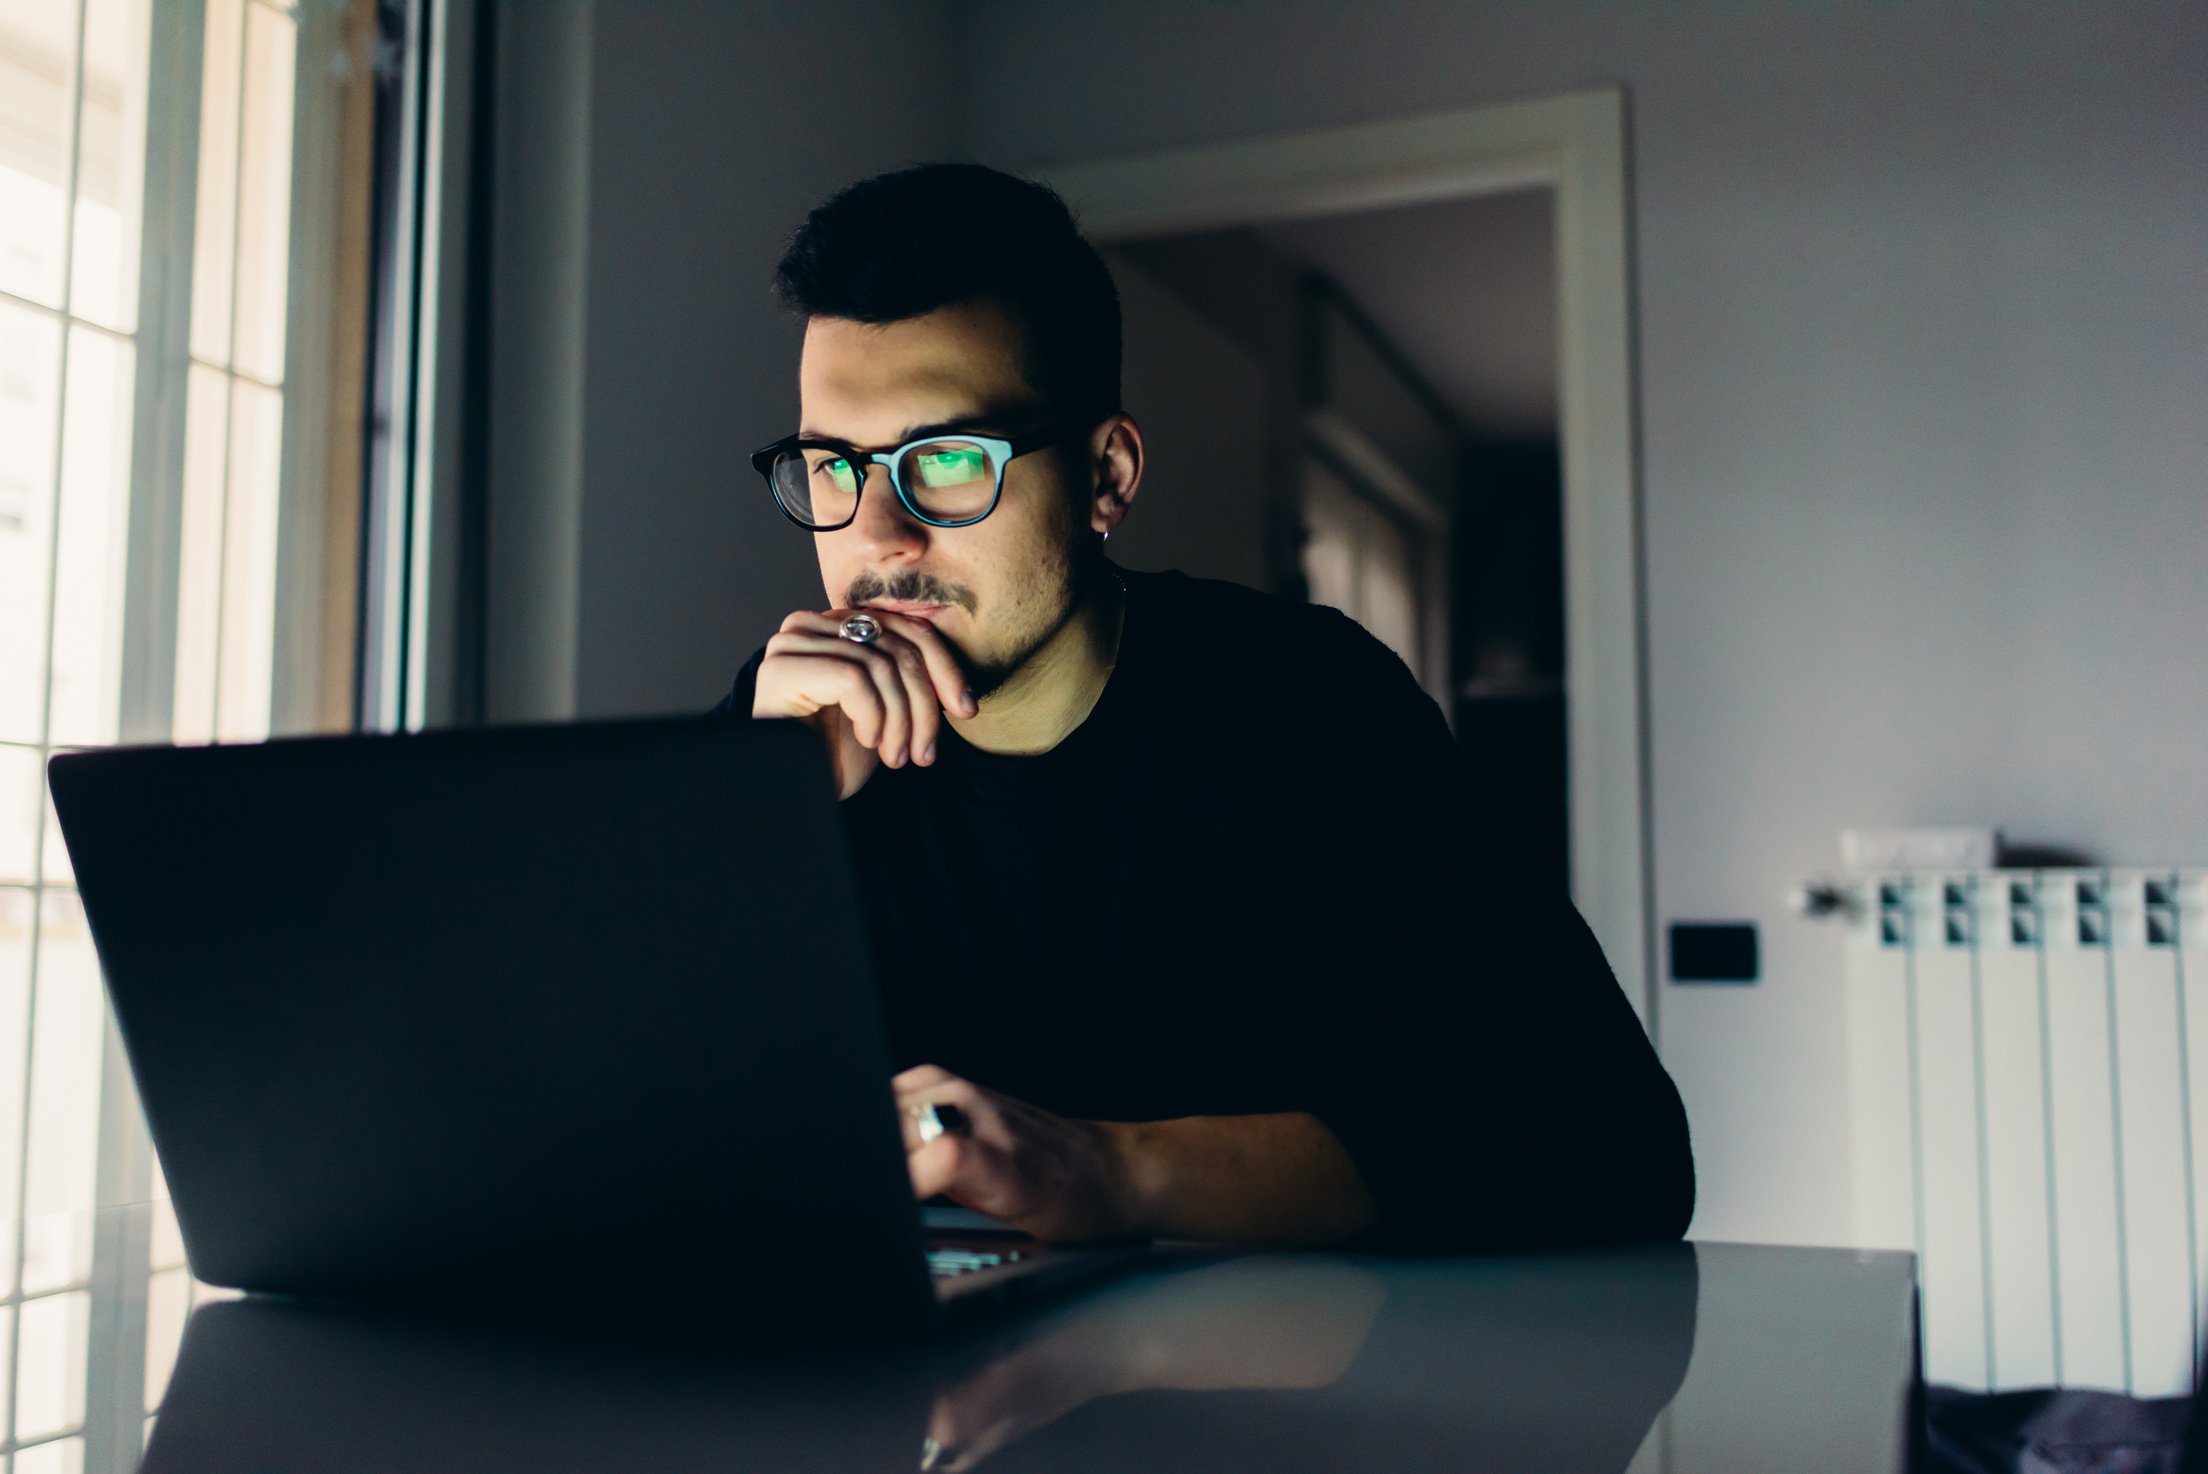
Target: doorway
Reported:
point(1392, 454)
point(1573, 145)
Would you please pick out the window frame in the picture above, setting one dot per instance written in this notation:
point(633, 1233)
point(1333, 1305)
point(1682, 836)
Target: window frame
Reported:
point(327, 539)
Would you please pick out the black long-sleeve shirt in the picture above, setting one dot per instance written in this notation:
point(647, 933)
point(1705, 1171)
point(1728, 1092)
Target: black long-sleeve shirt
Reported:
point(1261, 876)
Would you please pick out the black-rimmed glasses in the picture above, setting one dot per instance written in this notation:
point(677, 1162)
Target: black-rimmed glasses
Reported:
point(943, 480)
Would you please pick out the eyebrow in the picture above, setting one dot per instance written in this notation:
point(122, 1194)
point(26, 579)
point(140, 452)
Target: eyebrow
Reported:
point(986, 420)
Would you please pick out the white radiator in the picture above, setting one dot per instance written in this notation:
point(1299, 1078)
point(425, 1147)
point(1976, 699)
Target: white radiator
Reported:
point(2028, 1071)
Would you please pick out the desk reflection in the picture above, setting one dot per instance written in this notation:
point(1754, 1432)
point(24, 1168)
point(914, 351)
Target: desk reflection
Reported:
point(1289, 1363)
point(1275, 1323)
point(1281, 1362)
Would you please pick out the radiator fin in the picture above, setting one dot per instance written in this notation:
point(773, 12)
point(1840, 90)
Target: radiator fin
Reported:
point(2029, 1072)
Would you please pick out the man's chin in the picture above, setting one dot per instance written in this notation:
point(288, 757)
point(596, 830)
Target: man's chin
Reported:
point(988, 682)
point(985, 678)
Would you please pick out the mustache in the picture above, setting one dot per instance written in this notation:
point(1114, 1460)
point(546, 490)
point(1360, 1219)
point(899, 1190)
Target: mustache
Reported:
point(907, 586)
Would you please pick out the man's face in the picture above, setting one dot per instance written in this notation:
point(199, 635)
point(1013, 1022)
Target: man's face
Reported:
point(997, 589)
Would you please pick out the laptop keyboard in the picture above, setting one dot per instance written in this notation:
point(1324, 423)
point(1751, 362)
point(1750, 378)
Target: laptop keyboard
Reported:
point(947, 1264)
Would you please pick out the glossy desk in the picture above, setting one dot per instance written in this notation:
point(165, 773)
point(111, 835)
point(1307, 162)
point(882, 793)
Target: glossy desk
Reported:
point(1711, 1357)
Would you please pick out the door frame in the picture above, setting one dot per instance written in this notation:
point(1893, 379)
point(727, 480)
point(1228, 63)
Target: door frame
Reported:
point(1574, 144)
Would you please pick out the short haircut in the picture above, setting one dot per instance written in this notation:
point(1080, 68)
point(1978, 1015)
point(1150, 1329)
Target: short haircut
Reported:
point(906, 243)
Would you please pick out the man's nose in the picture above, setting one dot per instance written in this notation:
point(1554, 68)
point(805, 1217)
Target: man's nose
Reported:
point(884, 529)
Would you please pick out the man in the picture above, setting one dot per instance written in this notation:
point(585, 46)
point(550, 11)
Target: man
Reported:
point(1182, 895)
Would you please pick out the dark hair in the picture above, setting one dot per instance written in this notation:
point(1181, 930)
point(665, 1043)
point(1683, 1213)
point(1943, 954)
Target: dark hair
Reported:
point(936, 235)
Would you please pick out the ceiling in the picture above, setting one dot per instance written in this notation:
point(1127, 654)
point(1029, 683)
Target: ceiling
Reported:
point(1466, 288)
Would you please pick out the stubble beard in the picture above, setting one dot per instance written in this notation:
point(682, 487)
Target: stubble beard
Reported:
point(1084, 570)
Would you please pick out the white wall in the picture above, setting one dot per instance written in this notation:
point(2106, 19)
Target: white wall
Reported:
point(1923, 353)
point(636, 559)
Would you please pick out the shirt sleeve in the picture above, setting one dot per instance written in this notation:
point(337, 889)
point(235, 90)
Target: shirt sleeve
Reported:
point(1474, 1052)
point(737, 703)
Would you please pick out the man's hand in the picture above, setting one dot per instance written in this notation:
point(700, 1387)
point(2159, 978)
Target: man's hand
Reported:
point(881, 702)
point(1057, 1179)
point(1280, 1180)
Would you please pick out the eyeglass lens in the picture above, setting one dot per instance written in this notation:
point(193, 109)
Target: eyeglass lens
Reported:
point(948, 480)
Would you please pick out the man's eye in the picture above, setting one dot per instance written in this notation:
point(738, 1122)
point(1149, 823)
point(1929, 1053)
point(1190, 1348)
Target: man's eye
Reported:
point(947, 467)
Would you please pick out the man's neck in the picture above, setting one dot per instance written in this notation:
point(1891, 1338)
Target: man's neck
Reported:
point(1057, 687)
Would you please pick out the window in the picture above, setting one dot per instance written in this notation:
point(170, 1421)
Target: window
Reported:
point(179, 521)
point(1359, 559)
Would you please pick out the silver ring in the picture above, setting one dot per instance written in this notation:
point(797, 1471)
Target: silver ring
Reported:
point(862, 629)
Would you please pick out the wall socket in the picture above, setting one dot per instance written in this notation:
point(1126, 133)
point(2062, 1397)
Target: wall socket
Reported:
point(1714, 952)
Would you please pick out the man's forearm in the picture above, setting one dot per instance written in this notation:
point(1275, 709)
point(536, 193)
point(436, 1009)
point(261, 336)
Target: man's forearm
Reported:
point(1281, 1181)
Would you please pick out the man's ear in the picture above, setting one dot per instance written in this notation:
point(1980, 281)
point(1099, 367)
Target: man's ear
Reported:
point(1115, 469)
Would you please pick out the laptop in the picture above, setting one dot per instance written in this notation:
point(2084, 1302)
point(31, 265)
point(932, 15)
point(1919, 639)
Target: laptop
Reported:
point(489, 1021)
